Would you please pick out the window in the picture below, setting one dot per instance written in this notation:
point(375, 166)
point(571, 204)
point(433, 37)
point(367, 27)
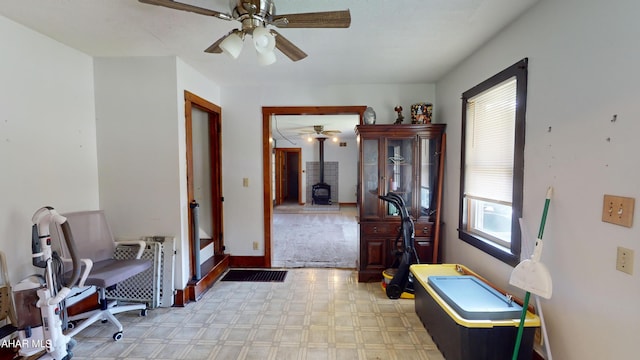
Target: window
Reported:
point(492, 165)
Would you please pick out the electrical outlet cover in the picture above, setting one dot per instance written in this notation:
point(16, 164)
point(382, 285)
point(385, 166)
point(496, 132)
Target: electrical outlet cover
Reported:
point(624, 260)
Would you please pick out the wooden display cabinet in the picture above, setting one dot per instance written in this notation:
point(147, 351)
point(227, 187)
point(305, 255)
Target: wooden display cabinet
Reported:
point(407, 160)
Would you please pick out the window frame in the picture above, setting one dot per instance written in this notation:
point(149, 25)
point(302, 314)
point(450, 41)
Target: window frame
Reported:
point(509, 255)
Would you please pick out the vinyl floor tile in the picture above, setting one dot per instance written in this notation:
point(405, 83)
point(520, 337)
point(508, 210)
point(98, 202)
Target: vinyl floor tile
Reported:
point(266, 321)
point(316, 313)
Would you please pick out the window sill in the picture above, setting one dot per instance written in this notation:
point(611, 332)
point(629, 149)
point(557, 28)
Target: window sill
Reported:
point(501, 253)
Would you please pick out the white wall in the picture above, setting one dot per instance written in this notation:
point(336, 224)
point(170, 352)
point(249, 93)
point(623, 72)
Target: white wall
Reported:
point(137, 122)
point(190, 80)
point(347, 158)
point(202, 169)
point(242, 157)
point(142, 147)
point(582, 70)
point(47, 136)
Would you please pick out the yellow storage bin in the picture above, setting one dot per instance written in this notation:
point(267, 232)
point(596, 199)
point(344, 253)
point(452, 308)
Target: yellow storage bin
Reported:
point(459, 338)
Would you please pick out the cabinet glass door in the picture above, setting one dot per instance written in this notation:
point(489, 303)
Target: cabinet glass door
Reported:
point(370, 177)
point(399, 175)
point(429, 165)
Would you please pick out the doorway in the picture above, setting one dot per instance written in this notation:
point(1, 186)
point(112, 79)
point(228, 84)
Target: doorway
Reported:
point(203, 124)
point(267, 161)
point(288, 165)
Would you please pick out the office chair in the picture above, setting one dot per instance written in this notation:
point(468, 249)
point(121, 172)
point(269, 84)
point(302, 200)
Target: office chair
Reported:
point(96, 246)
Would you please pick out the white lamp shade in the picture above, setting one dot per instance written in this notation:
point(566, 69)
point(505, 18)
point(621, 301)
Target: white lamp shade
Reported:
point(266, 58)
point(232, 45)
point(263, 40)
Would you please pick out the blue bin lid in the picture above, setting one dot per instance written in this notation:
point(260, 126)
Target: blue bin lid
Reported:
point(473, 299)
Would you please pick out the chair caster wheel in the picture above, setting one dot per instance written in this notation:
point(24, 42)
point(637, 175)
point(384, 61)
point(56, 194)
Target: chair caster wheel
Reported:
point(117, 336)
point(143, 312)
point(71, 325)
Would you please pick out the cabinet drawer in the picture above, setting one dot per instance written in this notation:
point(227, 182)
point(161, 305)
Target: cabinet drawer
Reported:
point(423, 229)
point(424, 249)
point(379, 228)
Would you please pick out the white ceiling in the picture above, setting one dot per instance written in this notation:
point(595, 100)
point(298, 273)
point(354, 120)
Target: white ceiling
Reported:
point(389, 41)
point(290, 130)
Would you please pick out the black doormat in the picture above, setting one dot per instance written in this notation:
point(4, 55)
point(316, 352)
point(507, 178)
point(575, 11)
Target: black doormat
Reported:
point(255, 275)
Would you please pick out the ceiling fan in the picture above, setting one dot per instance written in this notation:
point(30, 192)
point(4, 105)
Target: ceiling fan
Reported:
point(255, 16)
point(319, 130)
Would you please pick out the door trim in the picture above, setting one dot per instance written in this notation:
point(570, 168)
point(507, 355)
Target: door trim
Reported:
point(215, 151)
point(267, 112)
point(279, 173)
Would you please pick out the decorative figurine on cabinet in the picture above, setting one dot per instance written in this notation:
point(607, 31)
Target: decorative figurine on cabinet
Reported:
point(421, 113)
point(398, 109)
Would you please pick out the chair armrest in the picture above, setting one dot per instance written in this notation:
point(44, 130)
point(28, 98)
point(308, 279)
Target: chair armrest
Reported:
point(88, 265)
point(141, 245)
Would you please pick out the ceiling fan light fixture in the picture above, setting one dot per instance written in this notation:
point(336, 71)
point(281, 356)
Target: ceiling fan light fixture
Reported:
point(255, 16)
point(232, 45)
point(263, 40)
point(266, 58)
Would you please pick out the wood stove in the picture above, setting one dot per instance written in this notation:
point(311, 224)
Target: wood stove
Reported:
point(321, 192)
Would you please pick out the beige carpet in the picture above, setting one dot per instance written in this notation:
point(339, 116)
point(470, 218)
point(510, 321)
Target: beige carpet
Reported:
point(315, 239)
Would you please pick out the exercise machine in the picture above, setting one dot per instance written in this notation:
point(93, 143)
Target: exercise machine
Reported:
point(42, 331)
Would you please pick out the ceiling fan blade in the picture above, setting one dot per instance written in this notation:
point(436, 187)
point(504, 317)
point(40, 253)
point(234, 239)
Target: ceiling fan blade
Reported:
point(186, 7)
point(215, 47)
point(293, 52)
point(328, 19)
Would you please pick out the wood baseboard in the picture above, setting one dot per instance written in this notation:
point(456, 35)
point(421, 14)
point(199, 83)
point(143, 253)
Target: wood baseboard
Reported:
point(348, 204)
point(212, 270)
point(247, 261)
point(181, 298)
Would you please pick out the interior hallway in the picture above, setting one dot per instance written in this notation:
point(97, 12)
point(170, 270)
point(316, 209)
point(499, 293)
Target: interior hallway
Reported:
point(322, 236)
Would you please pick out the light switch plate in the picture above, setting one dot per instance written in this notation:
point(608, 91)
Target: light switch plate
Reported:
point(618, 210)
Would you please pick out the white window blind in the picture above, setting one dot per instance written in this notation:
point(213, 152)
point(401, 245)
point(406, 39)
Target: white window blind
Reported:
point(490, 143)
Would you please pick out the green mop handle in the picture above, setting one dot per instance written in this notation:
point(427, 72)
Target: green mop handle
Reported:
point(527, 295)
point(544, 213)
point(525, 305)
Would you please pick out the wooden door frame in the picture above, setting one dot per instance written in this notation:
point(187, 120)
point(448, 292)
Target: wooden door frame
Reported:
point(267, 112)
point(287, 151)
point(215, 157)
